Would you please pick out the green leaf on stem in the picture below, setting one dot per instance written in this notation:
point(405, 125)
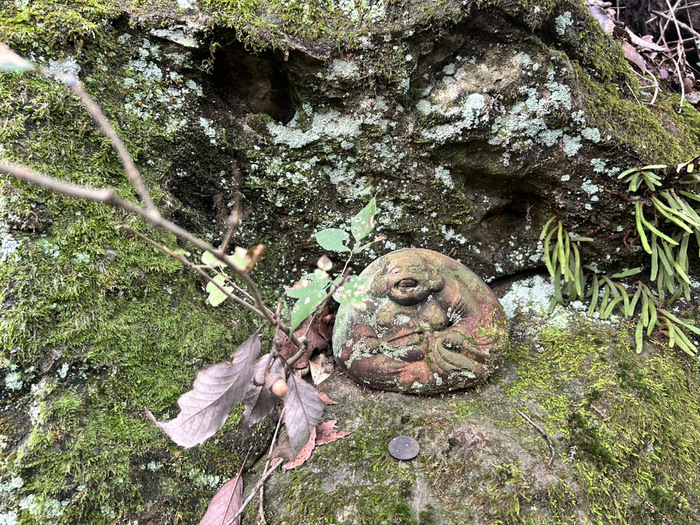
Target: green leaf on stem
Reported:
point(310, 292)
point(216, 296)
point(332, 239)
point(353, 292)
point(363, 222)
point(208, 259)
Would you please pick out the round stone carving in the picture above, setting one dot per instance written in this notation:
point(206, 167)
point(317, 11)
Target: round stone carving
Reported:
point(429, 325)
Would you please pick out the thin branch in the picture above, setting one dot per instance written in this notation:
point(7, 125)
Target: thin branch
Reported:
point(544, 434)
point(108, 130)
point(235, 216)
point(267, 471)
point(69, 189)
point(232, 225)
point(258, 486)
point(680, 52)
point(108, 195)
point(679, 23)
point(185, 262)
point(656, 89)
point(240, 290)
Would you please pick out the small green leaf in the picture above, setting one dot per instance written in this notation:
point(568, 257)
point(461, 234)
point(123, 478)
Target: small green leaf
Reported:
point(309, 282)
point(626, 273)
point(209, 260)
point(594, 295)
point(353, 292)
point(639, 337)
point(638, 216)
point(216, 296)
point(546, 227)
point(363, 222)
point(653, 318)
point(306, 304)
point(332, 239)
point(240, 258)
point(627, 172)
point(633, 303)
point(310, 292)
point(675, 319)
point(12, 62)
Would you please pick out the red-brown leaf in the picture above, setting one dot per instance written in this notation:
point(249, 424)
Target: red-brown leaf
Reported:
point(635, 58)
point(305, 453)
point(225, 504)
point(327, 400)
point(321, 435)
point(326, 433)
point(303, 410)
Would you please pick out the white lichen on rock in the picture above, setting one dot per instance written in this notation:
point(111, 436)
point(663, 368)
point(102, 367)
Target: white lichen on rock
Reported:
point(562, 22)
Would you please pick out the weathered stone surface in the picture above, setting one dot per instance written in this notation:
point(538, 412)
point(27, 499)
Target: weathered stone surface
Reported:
point(472, 121)
point(430, 325)
point(613, 418)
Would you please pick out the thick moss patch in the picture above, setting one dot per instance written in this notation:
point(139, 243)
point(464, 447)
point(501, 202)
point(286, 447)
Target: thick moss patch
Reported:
point(96, 325)
point(622, 427)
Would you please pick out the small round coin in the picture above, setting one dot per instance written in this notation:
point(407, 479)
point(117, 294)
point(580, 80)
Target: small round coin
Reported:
point(404, 448)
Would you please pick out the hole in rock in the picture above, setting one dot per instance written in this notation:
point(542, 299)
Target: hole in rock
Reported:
point(250, 83)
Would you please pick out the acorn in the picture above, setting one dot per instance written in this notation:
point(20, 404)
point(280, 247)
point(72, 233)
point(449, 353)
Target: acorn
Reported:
point(259, 377)
point(277, 385)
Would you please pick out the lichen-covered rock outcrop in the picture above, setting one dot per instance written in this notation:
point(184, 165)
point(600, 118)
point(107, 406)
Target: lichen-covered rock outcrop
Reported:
point(473, 122)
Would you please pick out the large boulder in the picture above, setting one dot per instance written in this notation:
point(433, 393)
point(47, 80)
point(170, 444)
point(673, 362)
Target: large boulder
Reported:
point(472, 122)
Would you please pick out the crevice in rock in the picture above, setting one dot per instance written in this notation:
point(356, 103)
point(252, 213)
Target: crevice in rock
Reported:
point(253, 83)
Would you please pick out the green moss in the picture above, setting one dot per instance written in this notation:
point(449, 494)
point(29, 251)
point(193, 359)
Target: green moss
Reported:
point(97, 325)
point(41, 22)
point(628, 422)
point(643, 130)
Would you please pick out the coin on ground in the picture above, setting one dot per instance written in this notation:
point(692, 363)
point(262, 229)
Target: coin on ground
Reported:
point(404, 448)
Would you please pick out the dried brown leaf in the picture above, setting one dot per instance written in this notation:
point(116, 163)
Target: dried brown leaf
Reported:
point(205, 408)
point(304, 454)
point(303, 410)
point(601, 15)
point(326, 433)
point(633, 57)
point(321, 368)
point(645, 42)
point(225, 504)
point(321, 435)
point(317, 329)
point(259, 401)
point(327, 400)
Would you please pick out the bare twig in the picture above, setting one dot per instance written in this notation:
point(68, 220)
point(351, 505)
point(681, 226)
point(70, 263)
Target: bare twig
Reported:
point(185, 262)
point(108, 130)
point(679, 23)
point(276, 463)
point(261, 508)
point(680, 52)
point(544, 434)
point(656, 89)
point(235, 216)
point(108, 195)
point(267, 471)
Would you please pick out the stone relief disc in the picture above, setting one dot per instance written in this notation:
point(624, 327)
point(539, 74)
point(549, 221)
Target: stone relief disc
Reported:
point(429, 325)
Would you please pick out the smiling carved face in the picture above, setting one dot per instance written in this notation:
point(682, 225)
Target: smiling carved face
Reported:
point(409, 280)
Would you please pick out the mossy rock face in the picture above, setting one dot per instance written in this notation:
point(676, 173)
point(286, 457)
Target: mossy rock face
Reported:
point(621, 426)
point(472, 122)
